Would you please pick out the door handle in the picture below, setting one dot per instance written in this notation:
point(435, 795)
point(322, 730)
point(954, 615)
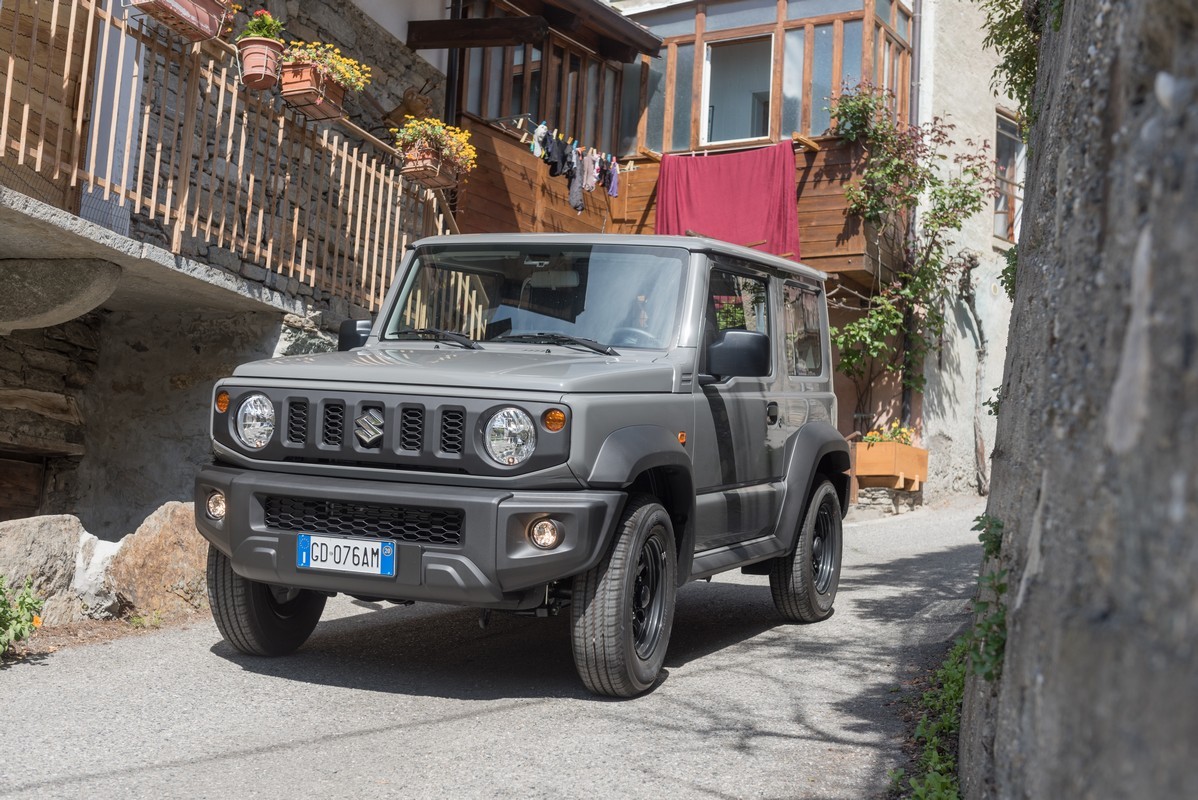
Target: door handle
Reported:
point(771, 413)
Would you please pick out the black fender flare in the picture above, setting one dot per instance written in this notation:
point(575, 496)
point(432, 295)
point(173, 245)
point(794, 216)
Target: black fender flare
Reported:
point(807, 448)
point(629, 452)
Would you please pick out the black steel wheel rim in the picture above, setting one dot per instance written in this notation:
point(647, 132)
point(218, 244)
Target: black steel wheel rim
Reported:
point(823, 549)
point(648, 596)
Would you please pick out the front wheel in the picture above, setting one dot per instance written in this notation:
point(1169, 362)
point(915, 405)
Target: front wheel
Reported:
point(623, 609)
point(804, 582)
point(257, 618)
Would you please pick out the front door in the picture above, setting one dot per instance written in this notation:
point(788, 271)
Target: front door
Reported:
point(734, 469)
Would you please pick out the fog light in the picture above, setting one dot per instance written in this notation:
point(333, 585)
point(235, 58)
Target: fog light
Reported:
point(216, 505)
point(545, 534)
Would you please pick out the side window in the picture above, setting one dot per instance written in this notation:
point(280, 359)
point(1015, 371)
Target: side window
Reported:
point(804, 346)
point(737, 301)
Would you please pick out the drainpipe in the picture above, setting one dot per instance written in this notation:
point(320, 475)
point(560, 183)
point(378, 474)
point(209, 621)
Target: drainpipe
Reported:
point(913, 118)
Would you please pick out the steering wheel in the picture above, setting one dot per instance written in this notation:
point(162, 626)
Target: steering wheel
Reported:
point(634, 337)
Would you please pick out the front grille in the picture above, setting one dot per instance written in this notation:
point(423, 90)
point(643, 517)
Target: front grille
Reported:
point(334, 424)
point(453, 430)
point(411, 429)
point(401, 523)
point(297, 422)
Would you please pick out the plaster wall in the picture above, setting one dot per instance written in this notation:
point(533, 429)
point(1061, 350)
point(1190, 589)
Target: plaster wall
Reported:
point(394, 18)
point(955, 73)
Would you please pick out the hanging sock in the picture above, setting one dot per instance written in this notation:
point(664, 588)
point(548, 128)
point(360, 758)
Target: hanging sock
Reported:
point(614, 188)
point(536, 147)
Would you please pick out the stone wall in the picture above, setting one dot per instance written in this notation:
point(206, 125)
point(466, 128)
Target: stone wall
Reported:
point(1095, 471)
point(148, 409)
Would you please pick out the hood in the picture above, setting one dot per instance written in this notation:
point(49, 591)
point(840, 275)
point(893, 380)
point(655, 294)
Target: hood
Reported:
point(525, 368)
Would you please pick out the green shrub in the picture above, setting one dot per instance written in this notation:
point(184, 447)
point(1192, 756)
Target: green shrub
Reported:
point(18, 614)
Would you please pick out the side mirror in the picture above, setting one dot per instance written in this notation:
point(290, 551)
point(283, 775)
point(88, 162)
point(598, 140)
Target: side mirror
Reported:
point(353, 333)
point(739, 354)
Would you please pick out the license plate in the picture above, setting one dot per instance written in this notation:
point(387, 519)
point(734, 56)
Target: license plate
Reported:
point(363, 556)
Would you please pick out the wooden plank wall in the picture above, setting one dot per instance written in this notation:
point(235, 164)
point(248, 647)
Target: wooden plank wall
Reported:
point(511, 191)
point(20, 488)
point(39, 98)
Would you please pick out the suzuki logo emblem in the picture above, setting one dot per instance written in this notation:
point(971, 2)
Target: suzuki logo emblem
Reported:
point(369, 427)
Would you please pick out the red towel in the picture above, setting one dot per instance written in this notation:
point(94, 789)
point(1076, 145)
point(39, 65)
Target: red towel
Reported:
point(742, 198)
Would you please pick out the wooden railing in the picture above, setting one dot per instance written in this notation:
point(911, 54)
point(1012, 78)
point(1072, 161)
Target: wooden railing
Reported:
point(107, 114)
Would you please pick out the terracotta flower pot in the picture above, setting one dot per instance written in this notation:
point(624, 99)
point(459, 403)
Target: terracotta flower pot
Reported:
point(426, 168)
point(310, 92)
point(890, 464)
point(194, 20)
point(259, 59)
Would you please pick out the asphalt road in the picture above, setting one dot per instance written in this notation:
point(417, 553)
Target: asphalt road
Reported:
point(420, 702)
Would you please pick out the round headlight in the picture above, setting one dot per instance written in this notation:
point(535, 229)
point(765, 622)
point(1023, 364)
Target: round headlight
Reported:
point(510, 436)
point(255, 421)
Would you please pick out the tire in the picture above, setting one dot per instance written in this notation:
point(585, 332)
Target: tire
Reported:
point(257, 618)
point(622, 611)
point(804, 582)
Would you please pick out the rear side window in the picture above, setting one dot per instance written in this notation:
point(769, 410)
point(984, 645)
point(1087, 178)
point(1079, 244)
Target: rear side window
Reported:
point(804, 344)
point(738, 301)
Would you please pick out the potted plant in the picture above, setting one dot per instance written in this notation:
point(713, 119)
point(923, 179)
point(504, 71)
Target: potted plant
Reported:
point(259, 49)
point(435, 154)
point(886, 458)
point(194, 20)
point(316, 76)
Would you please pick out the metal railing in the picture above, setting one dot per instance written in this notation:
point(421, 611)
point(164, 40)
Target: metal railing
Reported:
point(109, 115)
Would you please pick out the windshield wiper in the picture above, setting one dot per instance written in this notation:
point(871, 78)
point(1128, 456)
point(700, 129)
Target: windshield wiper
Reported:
point(441, 336)
point(558, 338)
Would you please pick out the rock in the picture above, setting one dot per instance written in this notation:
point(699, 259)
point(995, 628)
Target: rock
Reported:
point(94, 597)
point(161, 567)
point(48, 549)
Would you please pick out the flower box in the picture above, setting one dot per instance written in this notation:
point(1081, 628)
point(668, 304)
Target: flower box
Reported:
point(427, 168)
point(310, 92)
point(890, 465)
point(258, 60)
point(194, 20)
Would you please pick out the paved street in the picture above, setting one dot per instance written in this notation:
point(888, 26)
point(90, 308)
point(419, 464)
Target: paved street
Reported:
point(420, 702)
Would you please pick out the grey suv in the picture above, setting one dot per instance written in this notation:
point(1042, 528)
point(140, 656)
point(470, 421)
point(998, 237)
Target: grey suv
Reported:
point(536, 423)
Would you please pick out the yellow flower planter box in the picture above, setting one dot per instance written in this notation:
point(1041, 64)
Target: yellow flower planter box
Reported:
point(890, 465)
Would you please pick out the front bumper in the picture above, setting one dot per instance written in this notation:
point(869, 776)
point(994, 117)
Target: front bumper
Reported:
point(491, 565)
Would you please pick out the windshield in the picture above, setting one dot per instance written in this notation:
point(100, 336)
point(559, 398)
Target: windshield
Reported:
point(623, 296)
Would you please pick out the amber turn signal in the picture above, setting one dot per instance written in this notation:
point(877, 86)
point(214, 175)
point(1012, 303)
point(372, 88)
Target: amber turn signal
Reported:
point(554, 419)
point(682, 437)
point(222, 401)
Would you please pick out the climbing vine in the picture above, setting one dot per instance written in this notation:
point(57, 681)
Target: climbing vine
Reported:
point(916, 190)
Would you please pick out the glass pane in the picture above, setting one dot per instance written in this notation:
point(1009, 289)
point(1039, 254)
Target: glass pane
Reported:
point(680, 138)
point(571, 99)
point(606, 135)
point(534, 92)
point(592, 106)
point(555, 97)
point(792, 83)
point(882, 9)
point(851, 54)
point(802, 9)
point(738, 90)
point(821, 81)
point(904, 25)
point(474, 82)
point(630, 108)
point(655, 126)
point(516, 103)
point(670, 22)
point(740, 14)
point(494, 92)
point(804, 348)
point(738, 302)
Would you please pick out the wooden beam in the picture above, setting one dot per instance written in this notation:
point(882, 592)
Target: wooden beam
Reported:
point(561, 20)
point(617, 51)
point(436, 34)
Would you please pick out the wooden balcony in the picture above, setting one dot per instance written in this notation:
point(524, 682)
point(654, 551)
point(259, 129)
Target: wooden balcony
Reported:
point(107, 115)
point(511, 190)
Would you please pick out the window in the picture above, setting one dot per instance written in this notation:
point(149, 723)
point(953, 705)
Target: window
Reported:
point(571, 88)
point(737, 302)
point(737, 90)
point(1010, 161)
point(765, 69)
point(804, 347)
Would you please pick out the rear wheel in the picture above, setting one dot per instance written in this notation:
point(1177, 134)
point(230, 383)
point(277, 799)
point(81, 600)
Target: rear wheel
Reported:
point(622, 611)
point(804, 582)
point(258, 618)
